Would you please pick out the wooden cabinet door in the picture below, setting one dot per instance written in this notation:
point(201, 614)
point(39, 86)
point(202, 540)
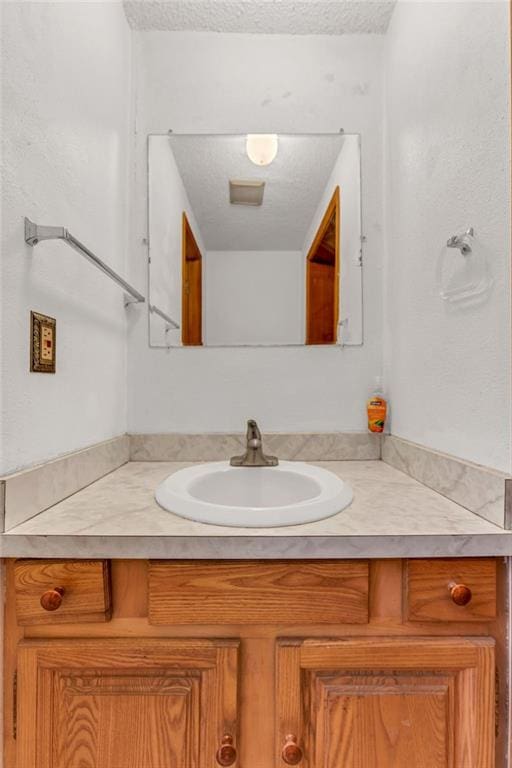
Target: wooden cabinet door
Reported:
point(386, 703)
point(125, 703)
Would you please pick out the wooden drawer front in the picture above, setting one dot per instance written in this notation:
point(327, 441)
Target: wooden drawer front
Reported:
point(430, 583)
point(85, 585)
point(279, 592)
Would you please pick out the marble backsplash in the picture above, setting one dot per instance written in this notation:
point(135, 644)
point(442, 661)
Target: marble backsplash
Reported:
point(327, 446)
point(26, 493)
point(485, 492)
point(481, 490)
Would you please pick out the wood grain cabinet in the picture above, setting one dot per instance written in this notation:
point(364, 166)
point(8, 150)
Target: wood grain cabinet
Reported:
point(62, 591)
point(389, 703)
point(232, 592)
point(451, 589)
point(326, 664)
point(127, 704)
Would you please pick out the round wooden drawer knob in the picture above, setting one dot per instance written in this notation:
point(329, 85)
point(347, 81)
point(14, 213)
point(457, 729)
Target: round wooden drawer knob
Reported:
point(52, 599)
point(460, 594)
point(226, 753)
point(292, 753)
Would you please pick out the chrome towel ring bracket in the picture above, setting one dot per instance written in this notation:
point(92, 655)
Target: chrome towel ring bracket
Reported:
point(462, 242)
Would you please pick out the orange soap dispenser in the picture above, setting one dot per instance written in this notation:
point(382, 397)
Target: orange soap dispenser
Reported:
point(377, 408)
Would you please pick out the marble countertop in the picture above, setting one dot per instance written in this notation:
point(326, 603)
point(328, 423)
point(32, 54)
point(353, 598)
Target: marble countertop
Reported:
point(392, 515)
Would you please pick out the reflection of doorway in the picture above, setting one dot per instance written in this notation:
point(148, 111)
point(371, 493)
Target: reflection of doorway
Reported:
point(322, 278)
point(191, 288)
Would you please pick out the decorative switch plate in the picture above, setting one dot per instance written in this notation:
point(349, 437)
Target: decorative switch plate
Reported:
point(42, 343)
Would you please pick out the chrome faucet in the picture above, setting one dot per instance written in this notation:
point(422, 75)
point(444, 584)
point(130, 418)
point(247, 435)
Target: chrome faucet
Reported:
point(254, 456)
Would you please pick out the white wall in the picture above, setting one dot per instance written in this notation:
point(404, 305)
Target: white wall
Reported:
point(65, 107)
point(254, 297)
point(347, 175)
point(66, 160)
point(168, 200)
point(258, 83)
point(448, 168)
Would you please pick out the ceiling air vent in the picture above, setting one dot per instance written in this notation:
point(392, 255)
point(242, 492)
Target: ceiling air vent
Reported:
point(246, 192)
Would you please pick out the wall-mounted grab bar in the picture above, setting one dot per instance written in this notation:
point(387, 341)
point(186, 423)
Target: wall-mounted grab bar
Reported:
point(34, 233)
point(163, 315)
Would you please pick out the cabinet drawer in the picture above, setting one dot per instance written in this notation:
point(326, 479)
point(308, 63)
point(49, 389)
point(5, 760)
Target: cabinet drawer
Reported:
point(62, 591)
point(451, 590)
point(234, 592)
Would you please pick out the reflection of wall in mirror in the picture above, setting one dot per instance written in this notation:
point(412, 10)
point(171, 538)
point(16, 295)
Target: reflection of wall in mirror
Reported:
point(254, 297)
point(168, 200)
point(347, 175)
point(259, 297)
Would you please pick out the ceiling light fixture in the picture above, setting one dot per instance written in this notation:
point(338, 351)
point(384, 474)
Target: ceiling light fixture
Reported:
point(261, 147)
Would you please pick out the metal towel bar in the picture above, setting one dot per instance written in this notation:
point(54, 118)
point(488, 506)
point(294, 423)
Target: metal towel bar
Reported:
point(163, 315)
point(34, 233)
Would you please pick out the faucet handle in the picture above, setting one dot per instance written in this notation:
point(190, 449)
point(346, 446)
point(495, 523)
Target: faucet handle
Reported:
point(253, 431)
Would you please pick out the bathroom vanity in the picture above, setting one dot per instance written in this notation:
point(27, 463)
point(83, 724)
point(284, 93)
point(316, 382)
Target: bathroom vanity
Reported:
point(175, 663)
point(375, 637)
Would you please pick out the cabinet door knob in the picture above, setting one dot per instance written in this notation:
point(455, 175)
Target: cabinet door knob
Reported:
point(52, 599)
point(226, 753)
point(292, 753)
point(460, 593)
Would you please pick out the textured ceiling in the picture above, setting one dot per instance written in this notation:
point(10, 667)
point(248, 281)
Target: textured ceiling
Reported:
point(294, 183)
point(305, 17)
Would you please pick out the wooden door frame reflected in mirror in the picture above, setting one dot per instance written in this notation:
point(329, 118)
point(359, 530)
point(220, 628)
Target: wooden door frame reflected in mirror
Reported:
point(191, 288)
point(323, 280)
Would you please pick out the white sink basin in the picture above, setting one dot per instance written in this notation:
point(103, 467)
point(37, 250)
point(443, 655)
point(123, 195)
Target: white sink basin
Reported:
point(254, 497)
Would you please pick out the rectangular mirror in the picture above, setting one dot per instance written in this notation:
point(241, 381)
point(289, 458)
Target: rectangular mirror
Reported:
point(255, 240)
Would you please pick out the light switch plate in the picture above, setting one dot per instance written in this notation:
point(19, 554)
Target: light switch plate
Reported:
point(42, 343)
